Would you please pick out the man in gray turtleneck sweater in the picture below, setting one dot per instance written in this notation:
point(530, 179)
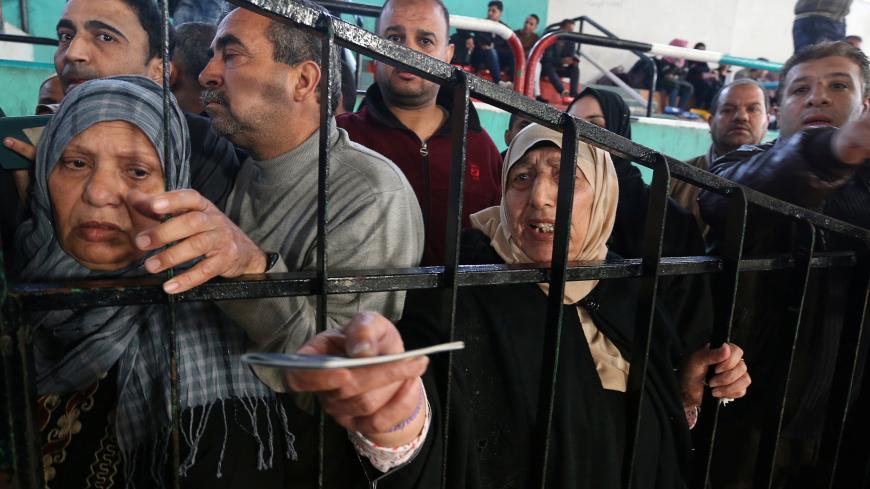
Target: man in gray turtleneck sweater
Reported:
point(261, 91)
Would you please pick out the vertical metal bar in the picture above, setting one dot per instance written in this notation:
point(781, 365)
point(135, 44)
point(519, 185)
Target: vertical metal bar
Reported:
point(848, 373)
point(724, 288)
point(553, 329)
point(652, 255)
point(769, 445)
point(25, 16)
point(327, 80)
point(652, 87)
point(175, 410)
point(458, 133)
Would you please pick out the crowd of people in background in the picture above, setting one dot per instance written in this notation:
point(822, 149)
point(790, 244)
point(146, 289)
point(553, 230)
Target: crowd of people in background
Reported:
point(237, 195)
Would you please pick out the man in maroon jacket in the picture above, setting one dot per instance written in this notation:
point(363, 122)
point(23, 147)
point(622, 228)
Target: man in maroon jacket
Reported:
point(406, 118)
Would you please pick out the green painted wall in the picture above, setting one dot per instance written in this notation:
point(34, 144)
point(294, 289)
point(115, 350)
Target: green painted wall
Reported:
point(24, 78)
point(21, 80)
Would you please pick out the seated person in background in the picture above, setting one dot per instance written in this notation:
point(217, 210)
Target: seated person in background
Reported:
point(757, 74)
point(560, 60)
point(506, 62)
point(191, 54)
point(527, 35)
point(818, 162)
point(686, 294)
point(672, 78)
point(106, 370)
point(738, 116)
point(705, 81)
point(407, 119)
point(496, 378)
point(462, 51)
point(491, 52)
point(83, 54)
point(50, 94)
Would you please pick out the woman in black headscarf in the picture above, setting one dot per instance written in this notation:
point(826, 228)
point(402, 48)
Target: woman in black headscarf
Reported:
point(688, 294)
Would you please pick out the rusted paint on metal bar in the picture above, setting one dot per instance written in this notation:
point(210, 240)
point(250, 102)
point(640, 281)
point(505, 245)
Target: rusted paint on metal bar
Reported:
point(646, 310)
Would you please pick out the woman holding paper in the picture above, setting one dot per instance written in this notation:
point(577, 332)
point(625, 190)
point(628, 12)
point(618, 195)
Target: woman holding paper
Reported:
point(496, 380)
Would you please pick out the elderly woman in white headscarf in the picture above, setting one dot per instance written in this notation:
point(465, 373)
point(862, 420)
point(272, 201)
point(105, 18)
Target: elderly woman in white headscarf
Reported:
point(494, 402)
point(102, 373)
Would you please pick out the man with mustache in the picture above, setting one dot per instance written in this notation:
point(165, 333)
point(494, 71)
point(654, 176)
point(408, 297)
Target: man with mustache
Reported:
point(100, 38)
point(407, 119)
point(262, 91)
point(738, 116)
point(820, 162)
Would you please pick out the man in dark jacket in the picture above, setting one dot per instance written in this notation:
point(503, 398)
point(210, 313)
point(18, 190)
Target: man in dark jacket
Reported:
point(406, 118)
point(560, 60)
point(819, 162)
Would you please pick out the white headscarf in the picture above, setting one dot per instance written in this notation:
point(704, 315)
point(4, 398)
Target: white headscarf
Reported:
point(596, 166)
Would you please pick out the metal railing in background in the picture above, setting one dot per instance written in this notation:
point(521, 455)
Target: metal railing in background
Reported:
point(44, 41)
point(325, 280)
point(583, 20)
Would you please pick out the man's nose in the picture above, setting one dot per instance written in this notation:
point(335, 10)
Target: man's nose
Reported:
point(78, 50)
point(819, 95)
point(103, 189)
point(210, 77)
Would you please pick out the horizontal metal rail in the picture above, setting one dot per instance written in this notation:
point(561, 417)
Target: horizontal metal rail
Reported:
point(44, 41)
point(63, 295)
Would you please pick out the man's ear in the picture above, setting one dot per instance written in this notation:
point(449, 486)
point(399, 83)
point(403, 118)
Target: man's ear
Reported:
point(306, 81)
point(174, 75)
point(449, 53)
point(154, 70)
point(866, 105)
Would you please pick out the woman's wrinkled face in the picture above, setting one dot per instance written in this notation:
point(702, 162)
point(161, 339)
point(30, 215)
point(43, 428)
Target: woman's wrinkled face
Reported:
point(89, 186)
point(530, 201)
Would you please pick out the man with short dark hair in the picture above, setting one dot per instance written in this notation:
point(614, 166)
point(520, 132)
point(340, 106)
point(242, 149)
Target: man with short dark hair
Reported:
point(100, 38)
point(407, 119)
point(515, 125)
point(820, 162)
point(738, 116)
point(527, 35)
point(560, 60)
point(50, 94)
point(192, 41)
